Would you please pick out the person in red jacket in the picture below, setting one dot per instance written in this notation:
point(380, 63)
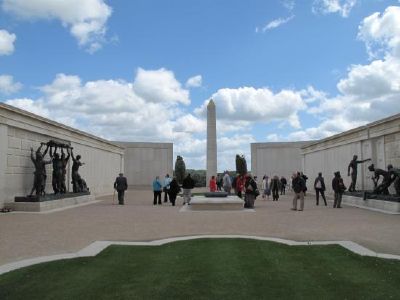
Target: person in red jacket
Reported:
point(213, 184)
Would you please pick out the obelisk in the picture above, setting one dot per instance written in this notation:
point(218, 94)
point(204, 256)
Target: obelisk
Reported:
point(211, 141)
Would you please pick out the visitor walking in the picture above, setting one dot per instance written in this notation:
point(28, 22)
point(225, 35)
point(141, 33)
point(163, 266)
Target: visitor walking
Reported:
point(265, 188)
point(274, 186)
point(213, 184)
point(319, 186)
point(157, 188)
point(299, 186)
point(283, 185)
point(305, 177)
point(339, 188)
point(227, 183)
point(251, 192)
point(187, 186)
point(166, 183)
point(174, 190)
point(121, 185)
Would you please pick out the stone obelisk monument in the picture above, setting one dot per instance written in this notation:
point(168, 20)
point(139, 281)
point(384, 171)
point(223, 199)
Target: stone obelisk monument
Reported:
point(211, 141)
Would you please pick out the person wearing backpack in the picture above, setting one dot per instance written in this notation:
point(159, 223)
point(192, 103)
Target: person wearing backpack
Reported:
point(251, 191)
point(319, 186)
point(339, 188)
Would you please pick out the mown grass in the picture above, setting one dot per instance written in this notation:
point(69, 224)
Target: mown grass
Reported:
point(209, 269)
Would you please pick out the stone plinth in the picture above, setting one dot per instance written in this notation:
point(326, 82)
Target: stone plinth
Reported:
point(226, 203)
point(49, 205)
point(391, 207)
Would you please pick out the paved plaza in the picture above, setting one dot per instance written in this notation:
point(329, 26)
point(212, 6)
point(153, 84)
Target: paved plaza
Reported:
point(29, 235)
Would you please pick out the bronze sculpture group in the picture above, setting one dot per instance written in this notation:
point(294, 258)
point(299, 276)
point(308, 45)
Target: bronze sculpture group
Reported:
point(59, 173)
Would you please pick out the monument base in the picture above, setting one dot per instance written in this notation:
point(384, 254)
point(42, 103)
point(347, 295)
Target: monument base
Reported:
point(199, 203)
point(357, 199)
point(69, 200)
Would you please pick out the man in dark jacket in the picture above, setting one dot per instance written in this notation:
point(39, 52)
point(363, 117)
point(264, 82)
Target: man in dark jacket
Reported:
point(299, 187)
point(121, 185)
point(187, 186)
point(319, 186)
point(339, 188)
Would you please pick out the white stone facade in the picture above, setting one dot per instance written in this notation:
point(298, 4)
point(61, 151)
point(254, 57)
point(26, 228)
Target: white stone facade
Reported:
point(281, 159)
point(379, 141)
point(21, 130)
point(144, 161)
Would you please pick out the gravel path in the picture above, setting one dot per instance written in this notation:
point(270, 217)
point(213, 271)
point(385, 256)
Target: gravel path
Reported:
point(28, 235)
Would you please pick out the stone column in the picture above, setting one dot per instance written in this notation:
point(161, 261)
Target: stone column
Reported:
point(211, 141)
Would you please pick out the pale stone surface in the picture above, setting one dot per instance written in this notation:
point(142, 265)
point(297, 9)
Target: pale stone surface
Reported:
point(378, 140)
point(21, 130)
point(144, 161)
point(280, 159)
point(49, 205)
point(211, 141)
point(206, 203)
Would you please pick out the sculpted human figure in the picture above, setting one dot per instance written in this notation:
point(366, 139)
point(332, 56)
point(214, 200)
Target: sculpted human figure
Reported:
point(79, 185)
point(57, 170)
point(353, 166)
point(383, 187)
point(40, 171)
point(64, 163)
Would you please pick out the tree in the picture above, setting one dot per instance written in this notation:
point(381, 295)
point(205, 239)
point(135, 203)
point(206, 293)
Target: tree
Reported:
point(180, 169)
point(241, 165)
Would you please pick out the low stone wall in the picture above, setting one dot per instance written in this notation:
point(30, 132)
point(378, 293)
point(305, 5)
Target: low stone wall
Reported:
point(21, 130)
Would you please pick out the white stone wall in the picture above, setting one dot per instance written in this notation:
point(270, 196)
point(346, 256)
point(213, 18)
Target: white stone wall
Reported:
point(144, 161)
point(379, 141)
point(20, 130)
point(280, 159)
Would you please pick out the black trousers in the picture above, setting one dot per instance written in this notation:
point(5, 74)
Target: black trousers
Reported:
point(275, 194)
point(317, 191)
point(121, 194)
point(165, 195)
point(283, 189)
point(157, 196)
point(172, 198)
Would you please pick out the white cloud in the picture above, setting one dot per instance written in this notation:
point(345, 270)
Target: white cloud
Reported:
point(7, 42)
point(86, 19)
point(342, 7)
point(8, 86)
point(195, 81)
point(248, 104)
point(276, 23)
point(190, 123)
point(288, 4)
point(160, 86)
point(381, 32)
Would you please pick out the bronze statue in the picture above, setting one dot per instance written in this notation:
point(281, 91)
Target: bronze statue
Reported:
point(78, 184)
point(353, 166)
point(57, 170)
point(383, 187)
point(39, 183)
point(64, 163)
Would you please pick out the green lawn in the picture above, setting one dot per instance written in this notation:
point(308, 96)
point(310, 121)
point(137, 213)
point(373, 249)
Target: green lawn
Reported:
point(209, 269)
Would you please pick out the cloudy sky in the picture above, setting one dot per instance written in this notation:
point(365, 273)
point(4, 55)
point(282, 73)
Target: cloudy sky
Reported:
point(143, 70)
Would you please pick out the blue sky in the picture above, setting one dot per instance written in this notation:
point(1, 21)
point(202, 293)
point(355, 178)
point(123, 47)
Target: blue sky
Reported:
point(278, 70)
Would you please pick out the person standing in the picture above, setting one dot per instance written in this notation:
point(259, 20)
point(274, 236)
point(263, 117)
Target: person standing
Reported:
point(265, 188)
point(227, 183)
point(251, 191)
point(240, 180)
point(157, 187)
point(299, 186)
point(121, 185)
point(275, 188)
point(283, 185)
point(187, 186)
point(174, 190)
point(213, 184)
point(339, 188)
point(319, 186)
point(166, 183)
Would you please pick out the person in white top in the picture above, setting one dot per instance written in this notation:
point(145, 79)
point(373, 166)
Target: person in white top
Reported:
point(265, 188)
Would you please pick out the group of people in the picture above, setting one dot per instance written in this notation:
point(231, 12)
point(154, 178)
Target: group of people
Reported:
point(221, 183)
point(275, 185)
point(170, 187)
